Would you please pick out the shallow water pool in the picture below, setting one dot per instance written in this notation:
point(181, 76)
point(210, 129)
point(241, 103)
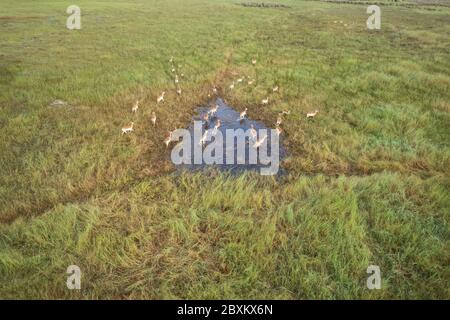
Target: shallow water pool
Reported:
point(236, 152)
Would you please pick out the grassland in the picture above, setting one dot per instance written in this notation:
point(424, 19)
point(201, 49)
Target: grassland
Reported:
point(368, 179)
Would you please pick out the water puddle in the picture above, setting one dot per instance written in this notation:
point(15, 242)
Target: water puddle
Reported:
point(268, 155)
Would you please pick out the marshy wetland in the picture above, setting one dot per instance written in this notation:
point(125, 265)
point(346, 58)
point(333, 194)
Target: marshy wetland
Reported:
point(367, 178)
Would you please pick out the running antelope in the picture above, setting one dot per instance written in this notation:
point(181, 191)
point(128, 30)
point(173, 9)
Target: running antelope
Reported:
point(279, 120)
point(242, 115)
point(205, 118)
point(135, 106)
point(259, 142)
point(203, 138)
point(253, 61)
point(312, 114)
point(278, 130)
point(161, 97)
point(153, 118)
point(216, 127)
point(265, 101)
point(168, 139)
point(213, 109)
point(275, 89)
point(232, 86)
point(128, 129)
point(250, 82)
point(179, 91)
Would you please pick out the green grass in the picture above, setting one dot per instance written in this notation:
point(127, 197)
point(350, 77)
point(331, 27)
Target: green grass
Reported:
point(368, 178)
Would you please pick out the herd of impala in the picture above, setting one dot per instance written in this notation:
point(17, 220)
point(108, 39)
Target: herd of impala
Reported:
point(213, 110)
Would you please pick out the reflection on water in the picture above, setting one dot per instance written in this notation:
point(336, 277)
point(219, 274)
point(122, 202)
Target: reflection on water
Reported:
point(229, 119)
